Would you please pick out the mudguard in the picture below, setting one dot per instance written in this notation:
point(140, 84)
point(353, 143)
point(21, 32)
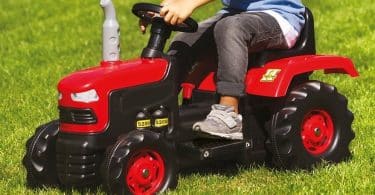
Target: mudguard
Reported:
point(274, 78)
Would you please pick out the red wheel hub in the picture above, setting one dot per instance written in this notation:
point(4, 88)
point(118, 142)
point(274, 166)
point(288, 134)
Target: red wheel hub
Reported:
point(317, 132)
point(145, 172)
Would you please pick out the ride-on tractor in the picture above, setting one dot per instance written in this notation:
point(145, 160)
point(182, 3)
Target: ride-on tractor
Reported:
point(121, 123)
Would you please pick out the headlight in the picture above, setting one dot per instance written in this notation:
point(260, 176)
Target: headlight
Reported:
point(86, 96)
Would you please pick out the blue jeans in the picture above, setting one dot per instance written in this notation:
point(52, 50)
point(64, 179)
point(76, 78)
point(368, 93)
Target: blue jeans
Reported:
point(227, 39)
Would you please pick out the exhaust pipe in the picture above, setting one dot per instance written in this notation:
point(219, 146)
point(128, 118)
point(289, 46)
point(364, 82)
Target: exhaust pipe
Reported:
point(111, 32)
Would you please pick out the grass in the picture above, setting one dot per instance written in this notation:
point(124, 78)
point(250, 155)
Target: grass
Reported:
point(41, 41)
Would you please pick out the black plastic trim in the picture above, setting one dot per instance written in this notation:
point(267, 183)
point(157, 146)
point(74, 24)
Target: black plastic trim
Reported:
point(78, 159)
point(77, 116)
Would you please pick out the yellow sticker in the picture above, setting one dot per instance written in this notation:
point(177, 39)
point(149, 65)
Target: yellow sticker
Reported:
point(143, 123)
point(270, 75)
point(161, 122)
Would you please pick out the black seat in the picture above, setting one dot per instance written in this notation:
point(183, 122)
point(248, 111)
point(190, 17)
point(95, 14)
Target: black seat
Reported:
point(304, 46)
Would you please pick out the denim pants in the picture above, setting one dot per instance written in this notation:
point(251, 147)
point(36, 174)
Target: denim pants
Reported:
point(227, 39)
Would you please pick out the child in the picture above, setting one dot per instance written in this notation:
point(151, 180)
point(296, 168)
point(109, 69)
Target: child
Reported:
point(242, 26)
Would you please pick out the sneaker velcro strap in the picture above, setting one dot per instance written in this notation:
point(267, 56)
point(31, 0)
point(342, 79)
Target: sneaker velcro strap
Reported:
point(225, 117)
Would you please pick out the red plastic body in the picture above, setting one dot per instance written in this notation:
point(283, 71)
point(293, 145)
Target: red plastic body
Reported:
point(107, 77)
point(274, 78)
point(271, 80)
point(187, 90)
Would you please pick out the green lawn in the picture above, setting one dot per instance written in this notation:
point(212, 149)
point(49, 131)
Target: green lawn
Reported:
point(41, 41)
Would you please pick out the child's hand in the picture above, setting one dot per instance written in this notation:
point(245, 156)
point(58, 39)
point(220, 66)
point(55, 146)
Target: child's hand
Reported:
point(143, 23)
point(176, 11)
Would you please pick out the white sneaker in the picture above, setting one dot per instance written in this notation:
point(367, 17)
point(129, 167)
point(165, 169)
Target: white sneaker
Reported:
point(223, 122)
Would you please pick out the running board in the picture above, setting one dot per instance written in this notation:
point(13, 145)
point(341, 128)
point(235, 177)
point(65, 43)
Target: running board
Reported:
point(201, 150)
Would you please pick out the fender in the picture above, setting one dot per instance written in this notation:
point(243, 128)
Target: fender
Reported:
point(274, 78)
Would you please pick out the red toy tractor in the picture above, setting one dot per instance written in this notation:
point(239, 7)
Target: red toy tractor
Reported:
point(121, 124)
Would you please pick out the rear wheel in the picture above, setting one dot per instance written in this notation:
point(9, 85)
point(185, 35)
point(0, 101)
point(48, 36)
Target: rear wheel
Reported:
point(141, 162)
point(40, 159)
point(314, 124)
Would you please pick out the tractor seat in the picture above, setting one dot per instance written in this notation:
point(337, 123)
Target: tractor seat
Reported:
point(305, 45)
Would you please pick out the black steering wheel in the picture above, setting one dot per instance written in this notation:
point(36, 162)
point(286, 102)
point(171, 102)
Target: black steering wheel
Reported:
point(150, 13)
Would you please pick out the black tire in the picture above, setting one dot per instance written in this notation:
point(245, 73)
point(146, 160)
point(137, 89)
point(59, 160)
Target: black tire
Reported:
point(312, 125)
point(40, 159)
point(134, 146)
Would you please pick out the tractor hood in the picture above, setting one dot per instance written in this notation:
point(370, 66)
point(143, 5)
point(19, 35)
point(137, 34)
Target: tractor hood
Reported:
point(110, 76)
point(90, 89)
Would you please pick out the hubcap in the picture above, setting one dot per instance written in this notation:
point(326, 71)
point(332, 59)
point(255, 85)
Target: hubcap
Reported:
point(317, 132)
point(145, 172)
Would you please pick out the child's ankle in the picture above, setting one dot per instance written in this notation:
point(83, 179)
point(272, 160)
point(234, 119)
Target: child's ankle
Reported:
point(230, 101)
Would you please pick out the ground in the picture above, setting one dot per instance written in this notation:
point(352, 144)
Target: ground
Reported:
point(41, 41)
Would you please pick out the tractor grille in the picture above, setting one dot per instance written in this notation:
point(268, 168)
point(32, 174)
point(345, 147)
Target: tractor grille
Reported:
point(78, 159)
point(77, 116)
point(78, 169)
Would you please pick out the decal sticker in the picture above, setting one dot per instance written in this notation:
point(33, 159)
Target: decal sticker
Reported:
point(270, 75)
point(143, 123)
point(161, 122)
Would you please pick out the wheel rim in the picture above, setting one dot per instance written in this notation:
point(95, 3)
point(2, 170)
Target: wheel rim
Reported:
point(317, 132)
point(145, 172)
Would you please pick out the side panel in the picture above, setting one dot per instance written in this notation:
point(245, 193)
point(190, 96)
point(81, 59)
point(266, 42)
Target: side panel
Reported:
point(125, 104)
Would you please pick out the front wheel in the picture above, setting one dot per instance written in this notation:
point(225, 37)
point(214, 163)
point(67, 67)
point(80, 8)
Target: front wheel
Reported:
point(40, 157)
point(141, 162)
point(312, 125)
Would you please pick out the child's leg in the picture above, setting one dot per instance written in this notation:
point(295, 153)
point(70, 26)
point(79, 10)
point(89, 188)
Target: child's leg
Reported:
point(188, 48)
point(230, 101)
point(235, 36)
